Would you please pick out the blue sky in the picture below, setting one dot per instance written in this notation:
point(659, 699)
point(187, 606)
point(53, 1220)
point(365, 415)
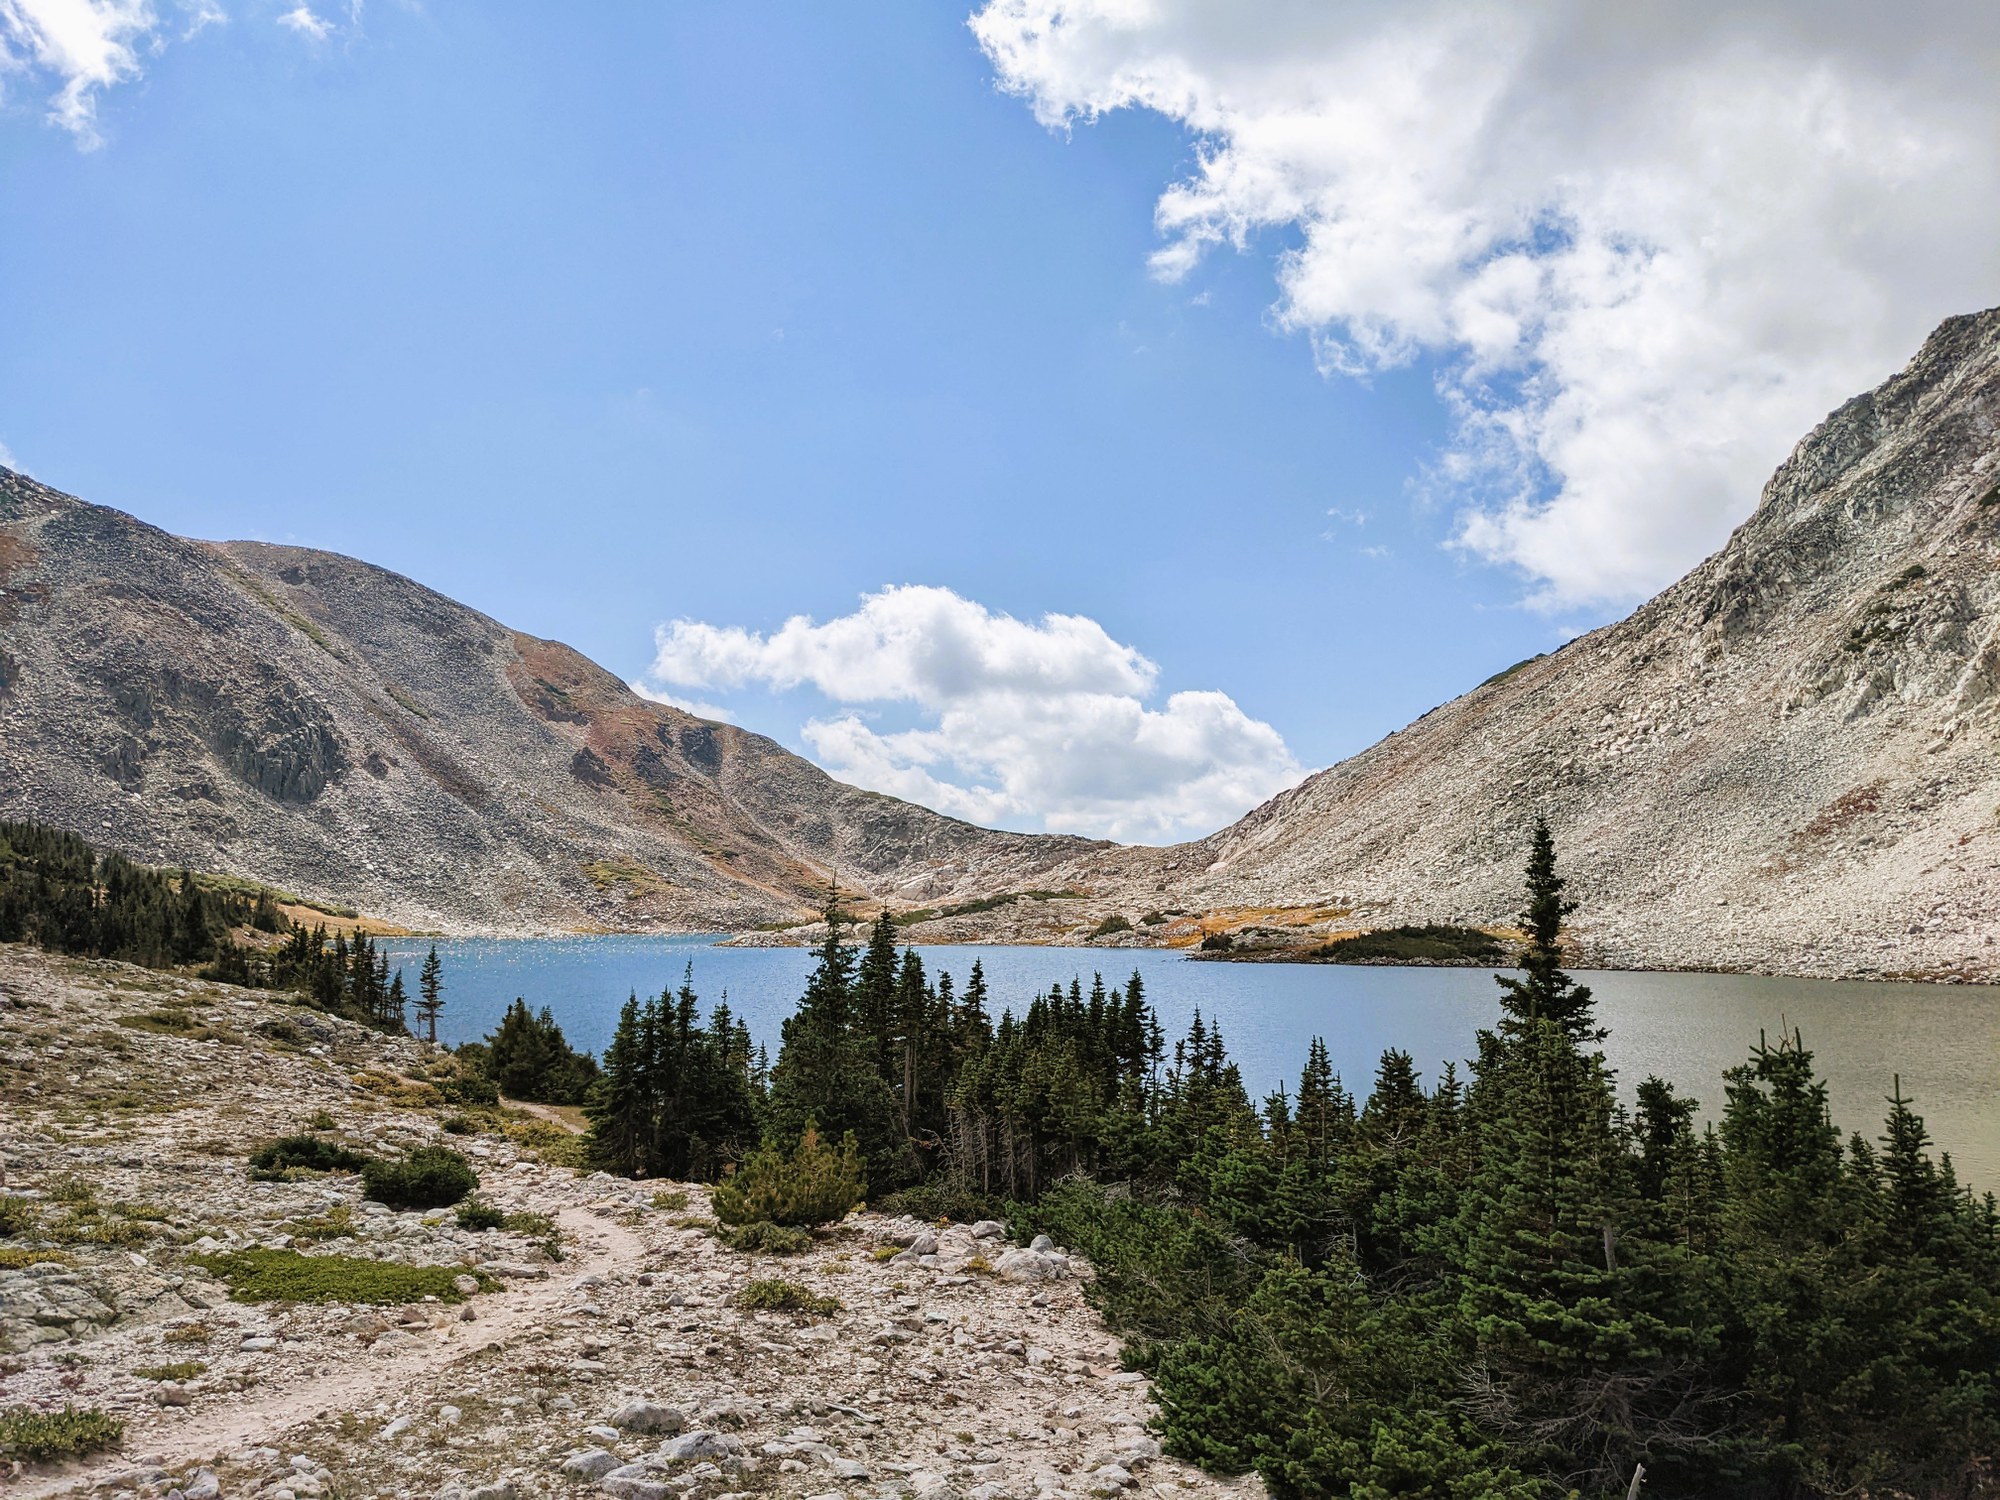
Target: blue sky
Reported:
point(603, 319)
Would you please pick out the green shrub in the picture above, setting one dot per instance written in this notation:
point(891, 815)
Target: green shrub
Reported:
point(550, 1143)
point(466, 1088)
point(287, 1276)
point(774, 1294)
point(812, 1184)
point(320, 1120)
point(460, 1124)
point(1109, 925)
point(306, 1153)
point(670, 1201)
point(478, 1216)
point(1431, 944)
point(428, 1177)
point(765, 1239)
point(17, 1216)
point(535, 1226)
point(942, 1200)
point(1217, 942)
point(32, 1435)
point(19, 1260)
point(71, 1187)
point(185, 1369)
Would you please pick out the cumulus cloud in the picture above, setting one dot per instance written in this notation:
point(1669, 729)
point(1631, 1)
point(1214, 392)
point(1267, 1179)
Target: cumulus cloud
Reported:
point(1646, 247)
point(1022, 724)
point(81, 46)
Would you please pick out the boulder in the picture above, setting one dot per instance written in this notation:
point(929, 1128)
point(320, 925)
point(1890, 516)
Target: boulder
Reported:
point(647, 1416)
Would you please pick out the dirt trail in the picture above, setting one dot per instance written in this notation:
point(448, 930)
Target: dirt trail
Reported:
point(598, 1245)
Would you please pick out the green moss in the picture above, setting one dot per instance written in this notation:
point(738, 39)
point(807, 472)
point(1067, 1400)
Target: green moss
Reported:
point(19, 1260)
point(287, 1276)
point(33, 1436)
point(774, 1294)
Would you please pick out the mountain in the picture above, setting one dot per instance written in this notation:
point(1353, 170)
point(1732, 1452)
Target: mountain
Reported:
point(337, 730)
point(1785, 762)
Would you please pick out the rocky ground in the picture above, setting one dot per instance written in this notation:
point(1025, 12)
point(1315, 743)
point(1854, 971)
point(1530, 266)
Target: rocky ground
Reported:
point(609, 1357)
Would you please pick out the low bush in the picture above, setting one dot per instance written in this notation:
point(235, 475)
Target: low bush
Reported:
point(550, 1143)
point(942, 1200)
point(19, 1260)
point(1217, 942)
point(478, 1216)
point(1431, 944)
point(188, 1333)
point(17, 1217)
point(535, 1226)
point(287, 1276)
point(428, 1177)
point(460, 1124)
point(809, 1185)
point(33, 1436)
point(774, 1294)
point(670, 1201)
point(765, 1239)
point(466, 1088)
point(1109, 925)
point(185, 1369)
point(303, 1153)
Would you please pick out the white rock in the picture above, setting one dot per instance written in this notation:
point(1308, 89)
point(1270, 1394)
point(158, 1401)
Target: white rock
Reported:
point(395, 1429)
point(590, 1463)
point(647, 1416)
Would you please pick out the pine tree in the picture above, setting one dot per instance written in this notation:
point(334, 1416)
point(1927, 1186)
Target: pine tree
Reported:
point(1547, 993)
point(430, 990)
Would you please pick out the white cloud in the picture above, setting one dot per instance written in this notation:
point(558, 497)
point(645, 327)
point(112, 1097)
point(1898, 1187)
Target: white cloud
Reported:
point(1042, 724)
point(82, 46)
point(7, 459)
point(1648, 246)
point(300, 18)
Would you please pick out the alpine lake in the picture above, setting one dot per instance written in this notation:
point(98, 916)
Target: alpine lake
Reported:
point(1943, 1041)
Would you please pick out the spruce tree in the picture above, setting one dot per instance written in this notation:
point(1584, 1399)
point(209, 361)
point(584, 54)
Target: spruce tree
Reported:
point(1546, 992)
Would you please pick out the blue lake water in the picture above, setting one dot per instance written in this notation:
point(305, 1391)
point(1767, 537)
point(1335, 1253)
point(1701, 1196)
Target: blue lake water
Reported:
point(1943, 1040)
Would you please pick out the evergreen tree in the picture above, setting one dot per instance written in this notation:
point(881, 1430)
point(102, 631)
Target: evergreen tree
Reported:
point(1546, 992)
point(430, 992)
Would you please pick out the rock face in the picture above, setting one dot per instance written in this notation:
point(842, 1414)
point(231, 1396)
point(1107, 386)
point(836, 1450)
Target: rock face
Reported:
point(337, 730)
point(1784, 762)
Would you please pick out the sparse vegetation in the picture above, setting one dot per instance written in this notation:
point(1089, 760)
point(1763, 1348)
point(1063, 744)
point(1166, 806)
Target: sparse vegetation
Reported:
point(37, 1436)
point(428, 1177)
point(15, 1259)
point(185, 1369)
point(17, 1216)
point(775, 1294)
point(1430, 944)
point(812, 1184)
point(1109, 925)
point(287, 1276)
point(670, 1201)
point(478, 1216)
point(763, 1238)
point(271, 1161)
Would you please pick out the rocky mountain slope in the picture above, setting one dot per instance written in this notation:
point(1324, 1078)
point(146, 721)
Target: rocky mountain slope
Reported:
point(1786, 761)
point(337, 730)
point(943, 1365)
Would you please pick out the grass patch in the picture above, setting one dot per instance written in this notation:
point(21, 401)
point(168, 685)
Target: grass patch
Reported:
point(535, 1226)
point(188, 1333)
point(70, 1433)
point(287, 1276)
point(883, 1253)
point(335, 1224)
point(1432, 944)
point(670, 1201)
point(775, 1294)
point(185, 1369)
point(17, 1217)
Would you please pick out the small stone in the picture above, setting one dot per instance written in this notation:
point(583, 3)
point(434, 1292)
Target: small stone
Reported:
point(701, 1444)
point(395, 1429)
point(259, 1345)
point(465, 1286)
point(204, 1486)
point(989, 1229)
point(603, 1433)
point(1110, 1479)
point(1042, 1245)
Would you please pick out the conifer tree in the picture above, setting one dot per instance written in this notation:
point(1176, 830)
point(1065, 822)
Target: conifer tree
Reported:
point(430, 992)
point(1546, 992)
